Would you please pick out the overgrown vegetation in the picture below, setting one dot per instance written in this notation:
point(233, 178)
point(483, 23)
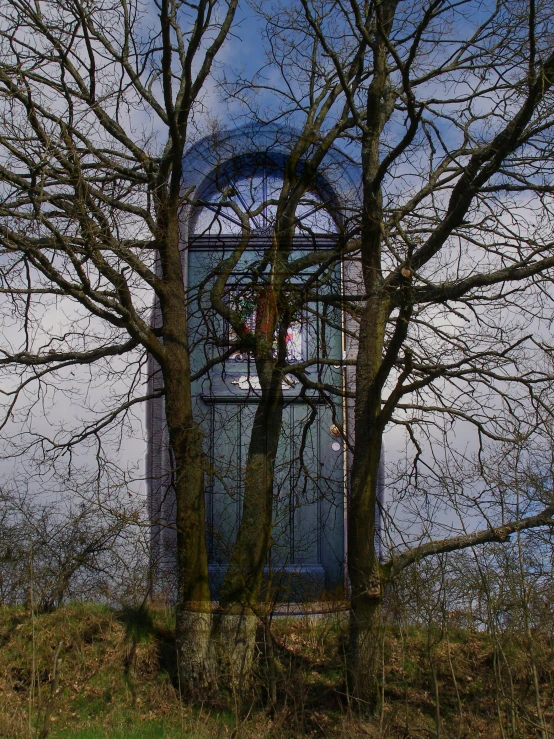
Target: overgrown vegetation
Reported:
point(89, 671)
point(466, 649)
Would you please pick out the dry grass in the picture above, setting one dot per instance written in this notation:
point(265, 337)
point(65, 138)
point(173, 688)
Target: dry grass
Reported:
point(116, 678)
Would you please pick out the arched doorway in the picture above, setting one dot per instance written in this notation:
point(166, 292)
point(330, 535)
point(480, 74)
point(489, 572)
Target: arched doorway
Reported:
point(232, 177)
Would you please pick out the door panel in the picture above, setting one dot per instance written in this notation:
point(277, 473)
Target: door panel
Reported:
point(307, 552)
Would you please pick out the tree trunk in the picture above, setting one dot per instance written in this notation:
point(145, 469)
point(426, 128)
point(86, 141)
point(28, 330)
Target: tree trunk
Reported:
point(372, 369)
point(365, 652)
point(235, 624)
point(234, 639)
point(367, 578)
point(195, 654)
point(193, 612)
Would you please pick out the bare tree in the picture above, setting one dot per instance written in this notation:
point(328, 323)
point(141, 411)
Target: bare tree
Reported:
point(451, 287)
point(96, 108)
point(91, 207)
point(83, 547)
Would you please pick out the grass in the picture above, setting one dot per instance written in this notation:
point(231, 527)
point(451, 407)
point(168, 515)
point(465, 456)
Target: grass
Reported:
point(150, 730)
point(116, 678)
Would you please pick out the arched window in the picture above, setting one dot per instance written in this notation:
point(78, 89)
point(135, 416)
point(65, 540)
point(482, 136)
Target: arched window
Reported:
point(256, 194)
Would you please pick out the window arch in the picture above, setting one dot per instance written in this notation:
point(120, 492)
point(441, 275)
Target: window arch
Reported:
point(254, 189)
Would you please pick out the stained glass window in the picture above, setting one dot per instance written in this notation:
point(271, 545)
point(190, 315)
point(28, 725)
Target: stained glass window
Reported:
point(244, 303)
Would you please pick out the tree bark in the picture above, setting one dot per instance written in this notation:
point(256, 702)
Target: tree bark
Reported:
point(367, 578)
point(235, 622)
point(364, 654)
point(372, 368)
point(234, 641)
point(193, 612)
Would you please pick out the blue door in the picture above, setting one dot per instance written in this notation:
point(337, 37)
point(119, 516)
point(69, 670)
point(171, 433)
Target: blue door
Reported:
point(306, 560)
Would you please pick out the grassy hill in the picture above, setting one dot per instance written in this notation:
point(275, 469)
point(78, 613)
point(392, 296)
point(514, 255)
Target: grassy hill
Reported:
point(87, 672)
